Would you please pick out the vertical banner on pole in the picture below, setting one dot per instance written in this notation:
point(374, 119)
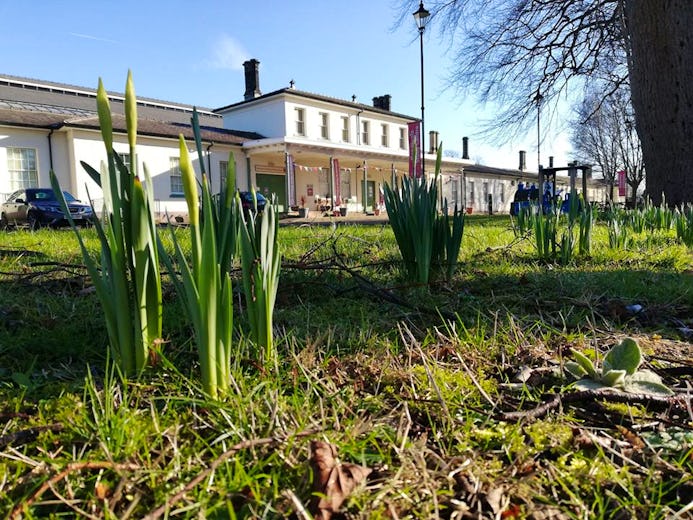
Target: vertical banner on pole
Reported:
point(290, 181)
point(365, 186)
point(621, 183)
point(337, 182)
point(414, 130)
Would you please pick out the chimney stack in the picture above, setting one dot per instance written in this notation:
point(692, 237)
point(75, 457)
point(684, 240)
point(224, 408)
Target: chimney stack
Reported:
point(465, 148)
point(252, 79)
point(382, 102)
point(523, 161)
point(433, 140)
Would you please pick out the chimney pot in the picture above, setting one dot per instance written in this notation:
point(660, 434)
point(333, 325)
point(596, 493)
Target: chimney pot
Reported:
point(465, 148)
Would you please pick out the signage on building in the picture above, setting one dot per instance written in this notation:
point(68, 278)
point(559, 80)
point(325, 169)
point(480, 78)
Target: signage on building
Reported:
point(621, 183)
point(414, 129)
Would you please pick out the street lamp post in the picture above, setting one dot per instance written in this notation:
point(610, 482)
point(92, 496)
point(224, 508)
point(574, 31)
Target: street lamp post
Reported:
point(421, 17)
point(540, 173)
point(538, 98)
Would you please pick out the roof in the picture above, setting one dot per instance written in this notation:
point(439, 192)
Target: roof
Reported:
point(316, 97)
point(35, 118)
point(59, 96)
point(169, 129)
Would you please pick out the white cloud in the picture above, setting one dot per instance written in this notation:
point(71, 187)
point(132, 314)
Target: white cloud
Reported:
point(228, 53)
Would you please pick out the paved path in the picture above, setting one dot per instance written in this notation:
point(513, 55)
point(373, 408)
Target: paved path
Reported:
point(350, 218)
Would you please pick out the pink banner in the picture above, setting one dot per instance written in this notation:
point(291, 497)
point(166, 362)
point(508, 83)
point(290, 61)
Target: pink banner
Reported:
point(414, 149)
point(290, 180)
point(621, 183)
point(337, 182)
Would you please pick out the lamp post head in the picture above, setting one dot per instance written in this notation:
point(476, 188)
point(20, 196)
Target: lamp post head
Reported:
point(421, 17)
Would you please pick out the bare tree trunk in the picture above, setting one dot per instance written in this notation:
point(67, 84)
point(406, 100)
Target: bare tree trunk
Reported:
point(660, 34)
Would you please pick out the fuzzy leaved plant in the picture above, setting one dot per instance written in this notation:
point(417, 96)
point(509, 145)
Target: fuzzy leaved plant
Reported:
point(619, 371)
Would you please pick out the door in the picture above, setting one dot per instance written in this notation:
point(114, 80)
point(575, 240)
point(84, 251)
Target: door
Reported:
point(269, 184)
point(369, 191)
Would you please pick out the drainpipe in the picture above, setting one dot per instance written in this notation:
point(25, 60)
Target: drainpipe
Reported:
point(358, 127)
point(209, 167)
point(50, 144)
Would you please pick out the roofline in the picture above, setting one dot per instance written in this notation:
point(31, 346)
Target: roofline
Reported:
point(316, 97)
point(17, 81)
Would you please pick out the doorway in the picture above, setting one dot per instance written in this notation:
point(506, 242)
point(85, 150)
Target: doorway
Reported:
point(268, 184)
point(368, 192)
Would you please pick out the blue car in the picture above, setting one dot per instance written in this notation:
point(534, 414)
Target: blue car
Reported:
point(247, 201)
point(37, 207)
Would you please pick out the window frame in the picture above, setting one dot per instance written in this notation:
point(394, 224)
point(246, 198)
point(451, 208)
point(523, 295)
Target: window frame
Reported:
point(385, 135)
point(300, 113)
point(21, 175)
point(346, 137)
point(365, 132)
point(324, 125)
point(174, 172)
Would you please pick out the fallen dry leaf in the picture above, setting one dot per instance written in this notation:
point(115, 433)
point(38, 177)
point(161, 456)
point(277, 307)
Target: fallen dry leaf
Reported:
point(332, 480)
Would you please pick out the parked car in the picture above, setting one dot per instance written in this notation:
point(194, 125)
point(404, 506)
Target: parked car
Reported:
point(37, 207)
point(247, 201)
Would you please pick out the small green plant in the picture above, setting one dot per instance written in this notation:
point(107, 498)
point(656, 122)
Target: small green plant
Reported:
point(619, 371)
point(618, 233)
point(423, 235)
point(128, 281)
point(684, 225)
point(585, 236)
point(545, 233)
point(261, 263)
point(205, 285)
point(522, 224)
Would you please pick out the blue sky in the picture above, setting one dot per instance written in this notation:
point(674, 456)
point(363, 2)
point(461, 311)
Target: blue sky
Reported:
point(191, 52)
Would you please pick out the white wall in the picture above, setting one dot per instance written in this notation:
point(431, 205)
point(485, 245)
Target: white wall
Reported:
point(266, 118)
point(71, 146)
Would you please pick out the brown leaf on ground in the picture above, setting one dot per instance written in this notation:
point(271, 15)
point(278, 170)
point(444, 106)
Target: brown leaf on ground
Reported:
point(332, 480)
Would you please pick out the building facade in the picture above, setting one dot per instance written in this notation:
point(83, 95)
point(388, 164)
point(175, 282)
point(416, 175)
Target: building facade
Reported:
point(308, 150)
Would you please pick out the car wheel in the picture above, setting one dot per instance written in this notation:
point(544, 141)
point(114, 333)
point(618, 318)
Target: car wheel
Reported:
point(34, 221)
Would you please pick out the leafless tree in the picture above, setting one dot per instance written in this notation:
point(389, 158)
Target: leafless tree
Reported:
point(630, 152)
point(604, 135)
point(594, 141)
point(514, 53)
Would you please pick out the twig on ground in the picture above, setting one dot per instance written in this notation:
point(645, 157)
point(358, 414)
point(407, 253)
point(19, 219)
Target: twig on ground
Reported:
point(592, 395)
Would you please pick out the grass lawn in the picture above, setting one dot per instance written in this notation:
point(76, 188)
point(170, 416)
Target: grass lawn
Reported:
point(427, 396)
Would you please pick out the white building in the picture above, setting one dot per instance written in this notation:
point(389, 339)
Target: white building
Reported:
point(309, 149)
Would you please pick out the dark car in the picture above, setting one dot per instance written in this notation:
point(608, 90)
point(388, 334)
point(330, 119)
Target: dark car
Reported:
point(38, 207)
point(247, 201)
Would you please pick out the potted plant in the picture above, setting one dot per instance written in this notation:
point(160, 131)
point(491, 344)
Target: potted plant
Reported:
point(303, 211)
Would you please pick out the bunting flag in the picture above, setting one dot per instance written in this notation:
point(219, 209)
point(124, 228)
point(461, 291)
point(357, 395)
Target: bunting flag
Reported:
point(318, 169)
point(290, 180)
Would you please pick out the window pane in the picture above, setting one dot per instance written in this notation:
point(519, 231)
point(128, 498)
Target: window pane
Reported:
point(21, 167)
point(176, 176)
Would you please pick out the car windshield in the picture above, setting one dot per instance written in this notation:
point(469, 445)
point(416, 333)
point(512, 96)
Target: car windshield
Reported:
point(46, 195)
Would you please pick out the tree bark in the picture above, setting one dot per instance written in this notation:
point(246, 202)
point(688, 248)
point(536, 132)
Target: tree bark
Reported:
point(660, 37)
